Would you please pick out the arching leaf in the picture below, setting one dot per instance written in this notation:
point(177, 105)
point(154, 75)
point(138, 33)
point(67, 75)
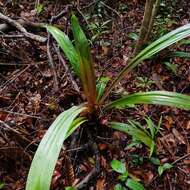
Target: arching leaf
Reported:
point(44, 161)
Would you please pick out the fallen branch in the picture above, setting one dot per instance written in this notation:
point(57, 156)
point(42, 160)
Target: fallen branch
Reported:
point(30, 26)
point(20, 28)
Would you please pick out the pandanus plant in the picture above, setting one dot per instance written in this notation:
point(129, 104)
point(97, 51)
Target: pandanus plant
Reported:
point(80, 58)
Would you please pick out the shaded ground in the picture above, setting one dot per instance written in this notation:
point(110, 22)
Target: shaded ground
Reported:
point(29, 101)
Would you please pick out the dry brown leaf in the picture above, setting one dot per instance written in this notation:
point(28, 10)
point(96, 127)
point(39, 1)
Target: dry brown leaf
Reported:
point(105, 50)
point(188, 125)
point(102, 146)
point(100, 184)
point(187, 162)
point(148, 177)
point(168, 122)
point(178, 136)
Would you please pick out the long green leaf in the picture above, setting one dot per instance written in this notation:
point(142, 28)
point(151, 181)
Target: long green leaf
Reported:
point(87, 72)
point(44, 161)
point(154, 97)
point(178, 54)
point(67, 47)
point(160, 44)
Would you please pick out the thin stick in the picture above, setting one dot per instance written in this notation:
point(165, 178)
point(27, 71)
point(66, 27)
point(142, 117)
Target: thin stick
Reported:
point(111, 9)
point(23, 114)
point(50, 59)
point(3, 86)
point(181, 158)
point(57, 17)
point(12, 36)
point(15, 132)
point(75, 86)
point(94, 171)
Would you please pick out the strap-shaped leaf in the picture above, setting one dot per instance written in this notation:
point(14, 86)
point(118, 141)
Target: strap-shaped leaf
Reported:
point(160, 44)
point(178, 54)
point(87, 73)
point(44, 161)
point(154, 97)
point(66, 45)
point(135, 132)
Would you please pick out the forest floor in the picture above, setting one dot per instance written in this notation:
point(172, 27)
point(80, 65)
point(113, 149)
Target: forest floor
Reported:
point(30, 97)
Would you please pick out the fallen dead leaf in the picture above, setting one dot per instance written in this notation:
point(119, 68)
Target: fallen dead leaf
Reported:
point(102, 146)
point(187, 162)
point(188, 125)
point(178, 136)
point(100, 184)
point(168, 122)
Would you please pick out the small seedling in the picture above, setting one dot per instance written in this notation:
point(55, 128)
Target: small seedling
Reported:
point(39, 8)
point(2, 185)
point(146, 136)
point(136, 159)
point(162, 168)
point(125, 180)
point(98, 29)
point(144, 82)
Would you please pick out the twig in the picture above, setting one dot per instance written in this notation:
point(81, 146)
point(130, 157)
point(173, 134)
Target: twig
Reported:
point(20, 28)
point(50, 58)
point(57, 17)
point(81, 148)
point(25, 115)
point(3, 86)
point(108, 7)
point(94, 171)
point(12, 36)
point(15, 132)
point(96, 168)
point(23, 64)
point(181, 158)
point(75, 86)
